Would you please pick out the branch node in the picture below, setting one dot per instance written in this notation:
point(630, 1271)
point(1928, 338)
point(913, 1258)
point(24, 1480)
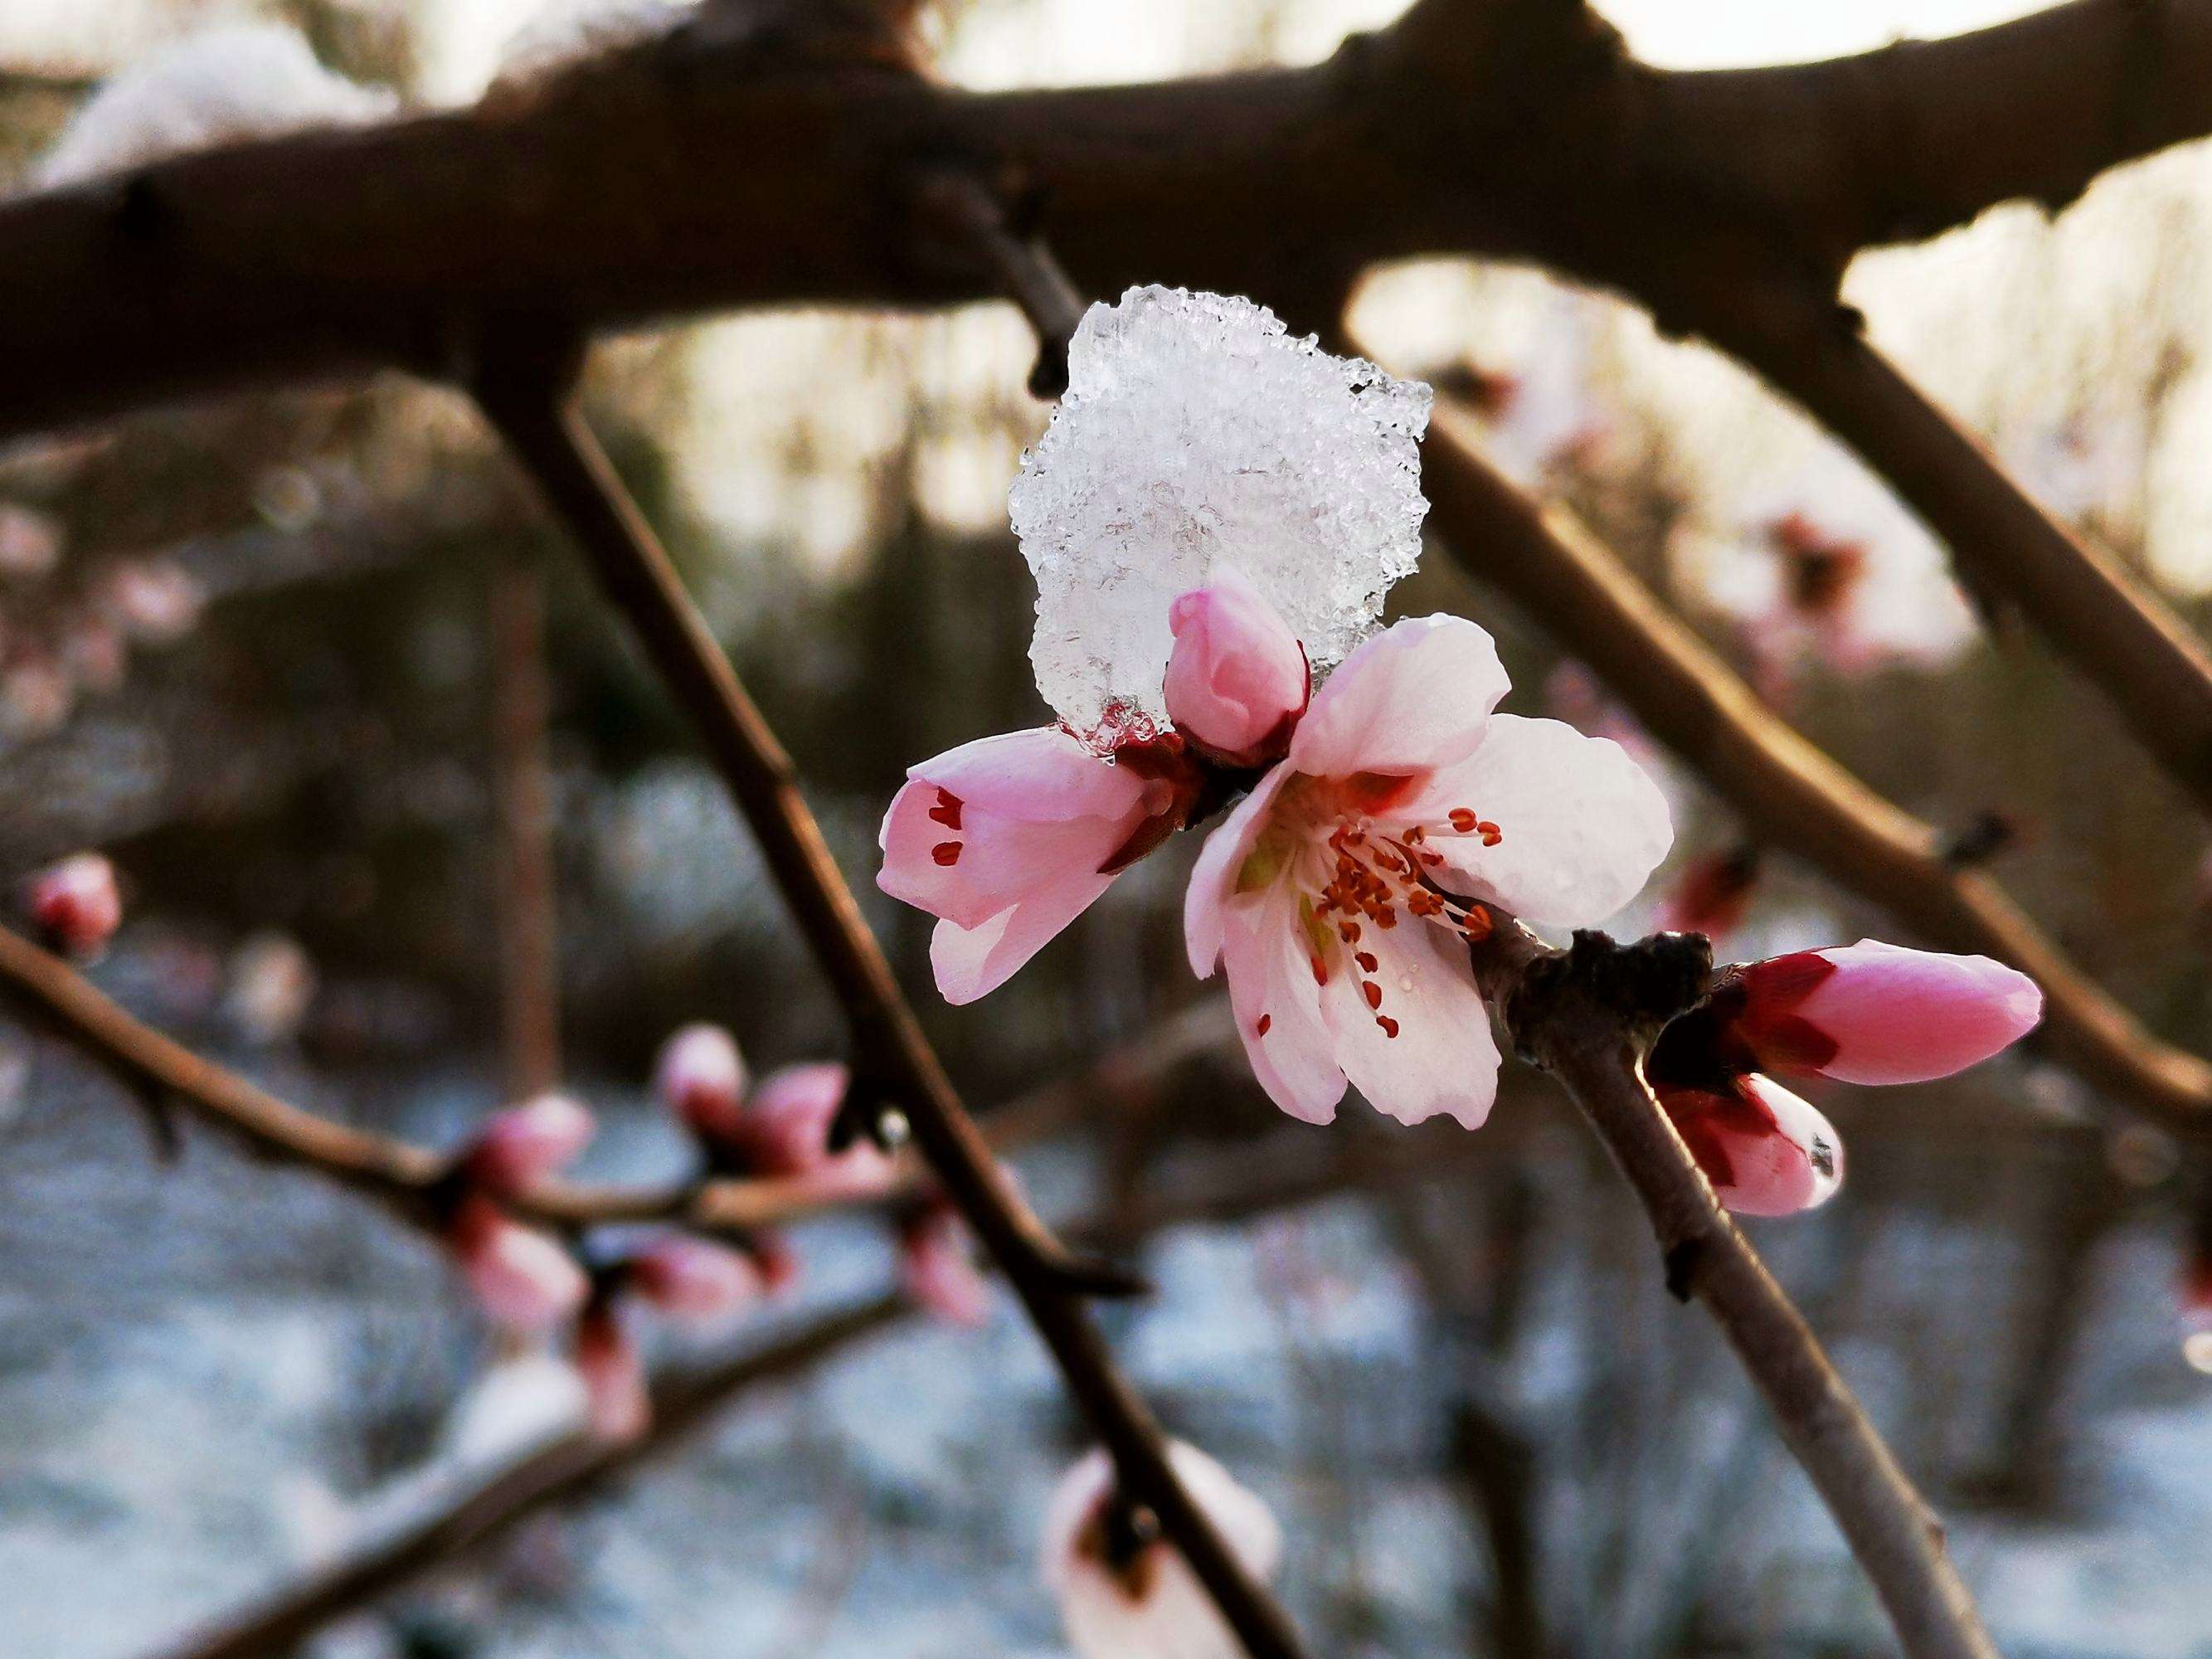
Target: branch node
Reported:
point(1682, 1259)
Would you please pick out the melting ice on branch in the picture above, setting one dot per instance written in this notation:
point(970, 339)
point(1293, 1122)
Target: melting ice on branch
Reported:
point(1196, 433)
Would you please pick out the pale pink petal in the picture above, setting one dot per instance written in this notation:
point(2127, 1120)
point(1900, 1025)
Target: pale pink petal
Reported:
point(1900, 1016)
point(616, 1402)
point(1766, 1151)
point(1581, 826)
point(1442, 1059)
point(520, 1278)
point(1154, 1607)
point(1236, 677)
point(973, 962)
point(1417, 695)
point(524, 1146)
point(938, 1268)
point(75, 903)
point(1277, 1004)
point(695, 1278)
point(1043, 773)
point(700, 1077)
point(1212, 879)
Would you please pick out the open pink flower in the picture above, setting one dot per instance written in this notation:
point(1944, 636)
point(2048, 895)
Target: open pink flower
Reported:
point(524, 1145)
point(521, 1278)
point(616, 1402)
point(1007, 839)
point(1125, 1590)
point(1872, 1012)
point(695, 1278)
point(1766, 1151)
point(1340, 894)
point(75, 903)
point(1236, 679)
point(700, 1077)
point(937, 1267)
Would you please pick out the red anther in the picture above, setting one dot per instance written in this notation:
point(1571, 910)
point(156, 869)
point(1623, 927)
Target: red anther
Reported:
point(1386, 918)
point(947, 810)
point(946, 852)
point(1389, 1025)
point(1366, 960)
point(1372, 991)
point(1320, 970)
point(1463, 820)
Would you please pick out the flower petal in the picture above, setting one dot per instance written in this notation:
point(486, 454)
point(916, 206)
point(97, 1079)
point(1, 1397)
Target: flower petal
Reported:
point(1043, 774)
point(974, 962)
point(1766, 1151)
point(1902, 1015)
point(1271, 984)
point(1212, 878)
point(965, 862)
point(1416, 696)
point(1582, 826)
point(1442, 1059)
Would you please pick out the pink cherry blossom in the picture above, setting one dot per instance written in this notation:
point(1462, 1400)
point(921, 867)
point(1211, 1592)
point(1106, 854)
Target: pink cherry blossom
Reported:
point(938, 1268)
point(1122, 1589)
point(785, 1131)
point(75, 903)
point(694, 1278)
point(521, 1278)
point(700, 1076)
point(1765, 1150)
point(1236, 679)
point(616, 1402)
point(1405, 799)
point(524, 1145)
point(1008, 839)
point(1872, 1012)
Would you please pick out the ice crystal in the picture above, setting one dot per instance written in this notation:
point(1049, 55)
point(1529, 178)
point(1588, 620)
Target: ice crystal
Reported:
point(241, 81)
point(1196, 433)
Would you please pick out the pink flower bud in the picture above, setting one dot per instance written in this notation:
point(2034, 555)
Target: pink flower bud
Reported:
point(939, 1270)
point(786, 1132)
point(1765, 1151)
point(700, 1077)
point(1237, 680)
point(693, 1278)
point(616, 1402)
point(524, 1145)
point(521, 1278)
point(1872, 1012)
point(156, 600)
point(1122, 1587)
point(75, 904)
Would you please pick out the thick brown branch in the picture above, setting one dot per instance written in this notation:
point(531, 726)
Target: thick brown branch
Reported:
point(1791, 795)
point(536, 413)
point(700, 172)
point(1586, 1016)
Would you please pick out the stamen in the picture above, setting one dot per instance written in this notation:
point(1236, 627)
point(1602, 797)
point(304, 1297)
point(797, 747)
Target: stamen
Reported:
point(1366, 960)
point(946, 852)
point(1389, 1025)
point(1320, 970)
point(1372, 991)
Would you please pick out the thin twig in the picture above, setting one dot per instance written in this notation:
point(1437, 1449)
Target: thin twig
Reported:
point(528, 398)
point(1790, 795)
point(528, 908)
point(402, 1176)
point(1586, 1016)
point(960, 207)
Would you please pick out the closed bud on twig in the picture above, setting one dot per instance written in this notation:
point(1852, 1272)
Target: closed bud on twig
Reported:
point(1236, 679)
point(75, 904)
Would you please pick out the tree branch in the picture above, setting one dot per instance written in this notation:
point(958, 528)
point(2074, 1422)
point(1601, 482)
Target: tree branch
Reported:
point(402, 1176)
point(1790, 795)
point(1587, 1016)
point(529, 398)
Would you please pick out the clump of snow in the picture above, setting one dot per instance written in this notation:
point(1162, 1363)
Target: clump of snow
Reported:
point(241, 81)
point(567, 33)
point(1196, 433)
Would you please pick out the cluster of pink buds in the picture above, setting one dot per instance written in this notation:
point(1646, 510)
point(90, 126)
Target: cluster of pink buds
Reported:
point(780, 1129)
point(1867, 1013)
point(524, 1279)
point(74, 904)
point(65, 641)
point(693, 1280)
